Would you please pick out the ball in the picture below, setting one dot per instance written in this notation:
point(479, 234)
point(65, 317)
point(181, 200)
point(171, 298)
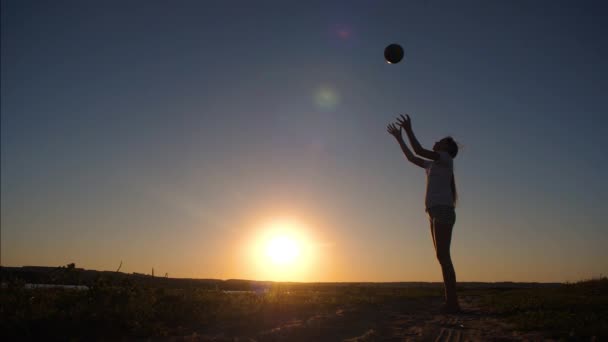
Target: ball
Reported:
point(393, 53)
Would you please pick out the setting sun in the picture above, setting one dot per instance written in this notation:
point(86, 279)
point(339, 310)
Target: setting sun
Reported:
point(282, 250)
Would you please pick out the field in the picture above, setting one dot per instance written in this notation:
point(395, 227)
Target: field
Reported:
point(129, 309)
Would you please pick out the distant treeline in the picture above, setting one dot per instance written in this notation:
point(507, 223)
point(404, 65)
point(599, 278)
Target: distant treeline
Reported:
point(66, 275)
point(71, 275)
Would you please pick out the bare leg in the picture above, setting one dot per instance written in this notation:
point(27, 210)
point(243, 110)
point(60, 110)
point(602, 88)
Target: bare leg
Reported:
point(433, 234)
point(443, 239)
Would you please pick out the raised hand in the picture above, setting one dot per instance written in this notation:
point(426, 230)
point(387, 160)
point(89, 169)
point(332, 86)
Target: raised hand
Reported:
point(405, 122)
point(394, 131)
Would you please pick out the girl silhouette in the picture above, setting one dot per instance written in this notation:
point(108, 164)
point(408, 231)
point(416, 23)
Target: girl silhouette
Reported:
point(440, 198)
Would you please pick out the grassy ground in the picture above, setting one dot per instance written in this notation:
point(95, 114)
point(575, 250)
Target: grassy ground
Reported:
point(578, 310)
point(127, 310)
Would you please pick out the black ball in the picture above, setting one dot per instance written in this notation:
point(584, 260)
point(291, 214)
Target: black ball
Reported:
point(393, 53)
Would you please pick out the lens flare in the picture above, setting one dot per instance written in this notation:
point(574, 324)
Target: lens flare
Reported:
point(343, 32)
point(326, 98)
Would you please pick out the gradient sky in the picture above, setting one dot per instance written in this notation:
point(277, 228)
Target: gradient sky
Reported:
point(171, 134)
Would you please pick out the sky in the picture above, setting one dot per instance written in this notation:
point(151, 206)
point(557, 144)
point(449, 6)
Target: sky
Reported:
point(184, 135)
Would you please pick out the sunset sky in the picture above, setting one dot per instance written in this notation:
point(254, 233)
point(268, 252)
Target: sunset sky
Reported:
point(189, 136)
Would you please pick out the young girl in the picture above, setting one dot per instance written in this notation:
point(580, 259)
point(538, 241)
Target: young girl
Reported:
point(440, 198)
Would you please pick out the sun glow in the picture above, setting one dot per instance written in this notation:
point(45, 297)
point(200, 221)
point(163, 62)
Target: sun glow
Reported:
point(282, 250)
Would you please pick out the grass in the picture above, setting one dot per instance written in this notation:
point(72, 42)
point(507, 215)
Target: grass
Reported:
point(577, 310)
point(126, 309)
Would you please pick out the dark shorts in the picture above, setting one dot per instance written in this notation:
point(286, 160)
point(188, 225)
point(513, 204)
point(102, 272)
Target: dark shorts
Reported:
point(442, 213)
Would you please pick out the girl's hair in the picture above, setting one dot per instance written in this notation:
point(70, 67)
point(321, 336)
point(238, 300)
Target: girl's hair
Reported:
point(452, 151)
point(452, 146)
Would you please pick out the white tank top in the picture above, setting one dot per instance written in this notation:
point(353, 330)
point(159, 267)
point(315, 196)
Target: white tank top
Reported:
point(439, 175)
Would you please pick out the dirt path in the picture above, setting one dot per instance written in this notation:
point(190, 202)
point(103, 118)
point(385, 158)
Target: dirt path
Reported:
point(406, 320)
point(424, 323)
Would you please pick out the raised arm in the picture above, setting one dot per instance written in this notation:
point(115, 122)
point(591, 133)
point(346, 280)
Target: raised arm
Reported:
point(406, 123)
point(396, 132)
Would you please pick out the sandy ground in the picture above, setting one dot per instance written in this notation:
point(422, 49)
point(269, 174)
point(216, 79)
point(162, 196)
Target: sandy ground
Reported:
point(408, 320)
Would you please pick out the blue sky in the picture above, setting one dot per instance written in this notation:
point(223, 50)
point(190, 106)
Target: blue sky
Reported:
point(161, 133)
